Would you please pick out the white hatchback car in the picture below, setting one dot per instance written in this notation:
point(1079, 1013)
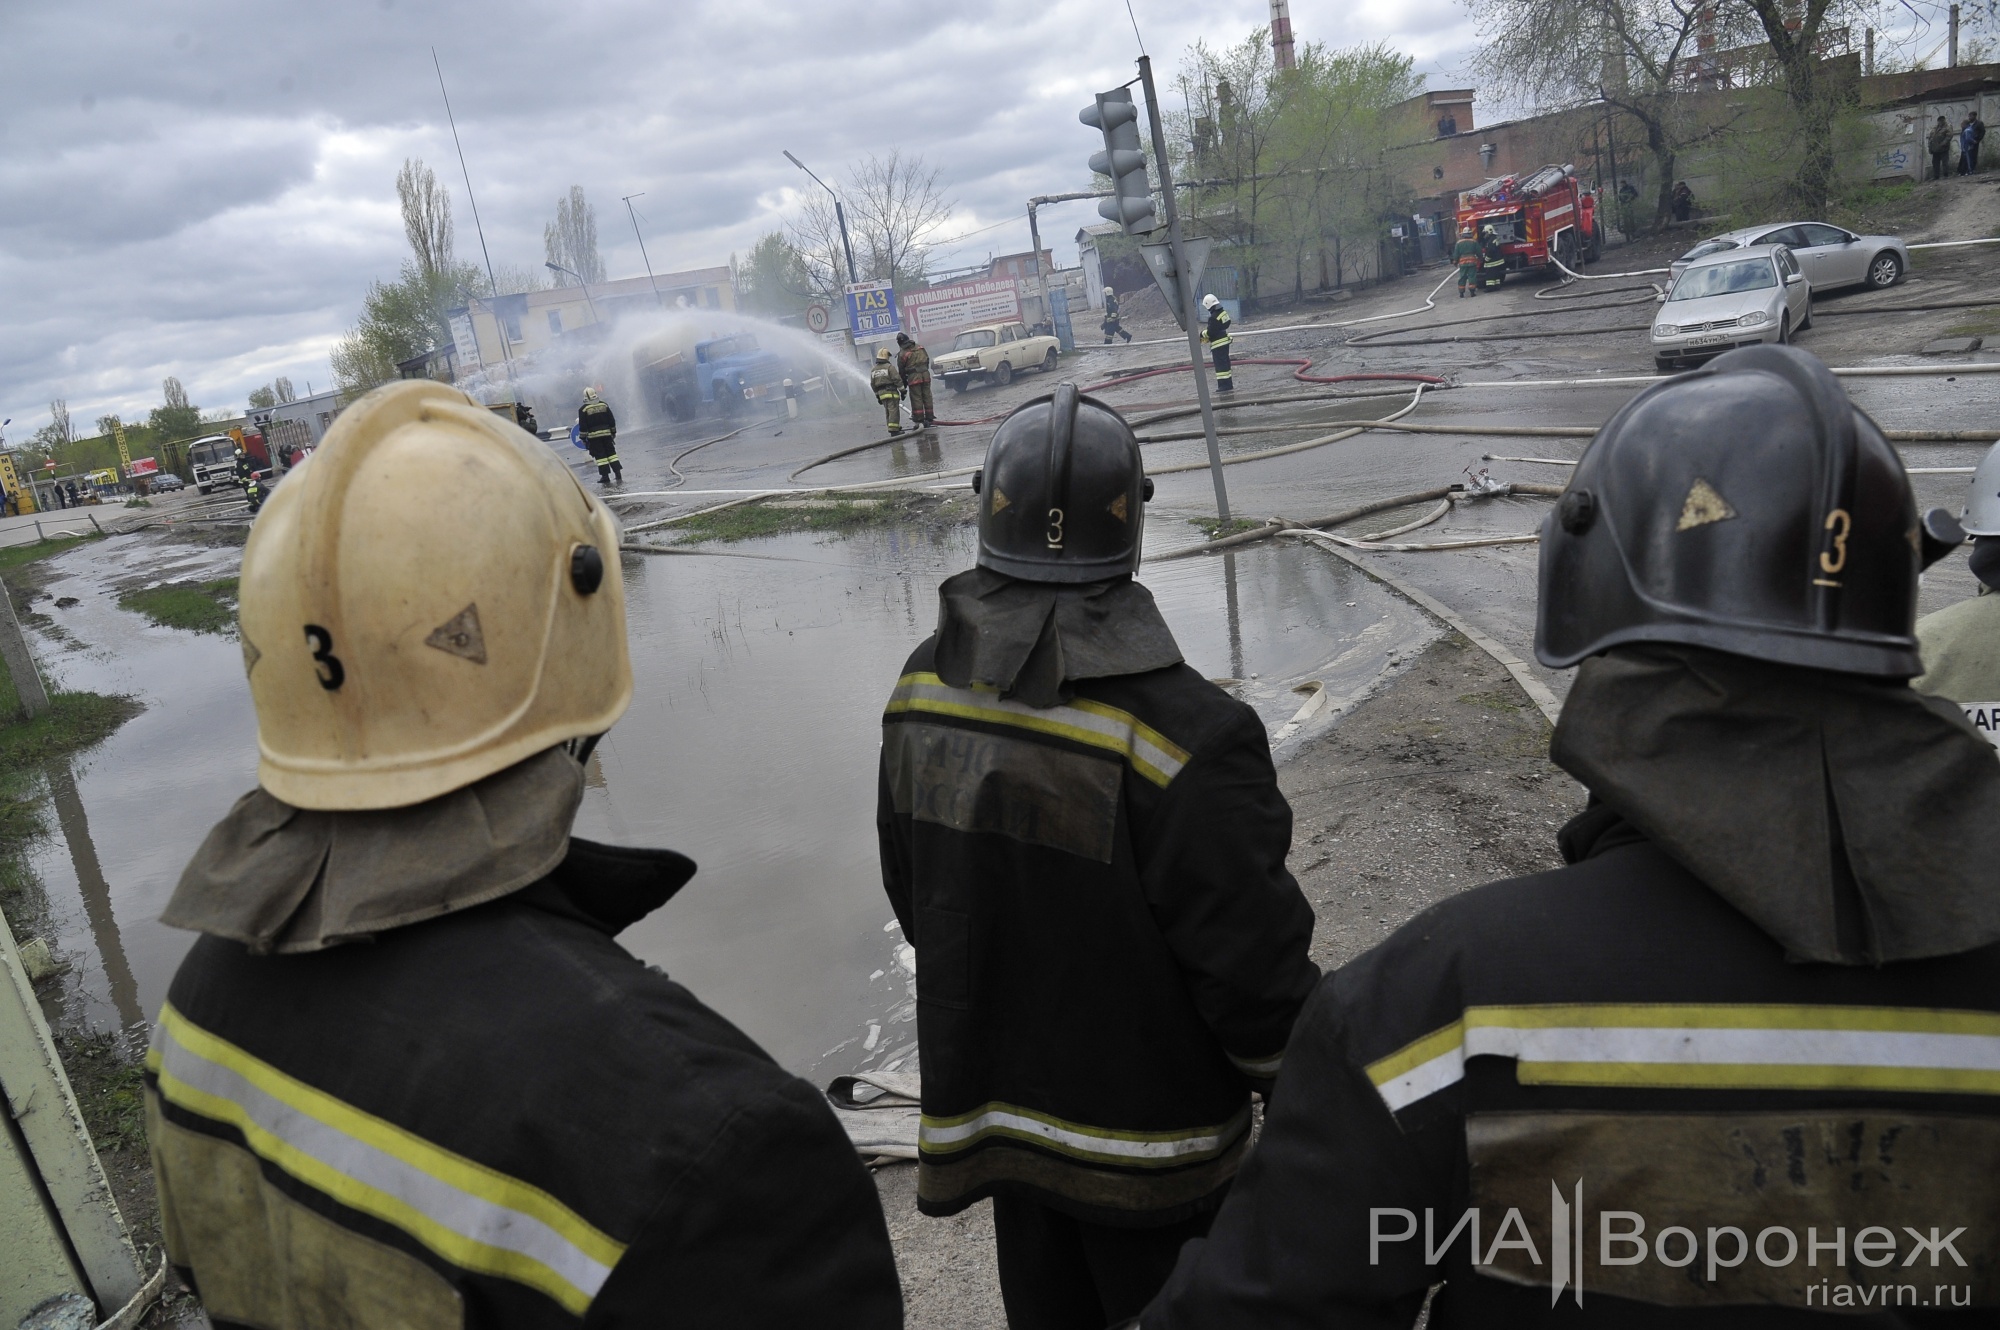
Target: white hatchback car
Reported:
point(1738, 297)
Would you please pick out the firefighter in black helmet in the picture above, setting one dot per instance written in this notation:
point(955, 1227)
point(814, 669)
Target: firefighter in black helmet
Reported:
point(1730, 1066)
point(600, 435)
point(1085, 842)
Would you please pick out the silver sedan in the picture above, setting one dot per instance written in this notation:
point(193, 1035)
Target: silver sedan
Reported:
point(1830, 256)
point(1731, 298)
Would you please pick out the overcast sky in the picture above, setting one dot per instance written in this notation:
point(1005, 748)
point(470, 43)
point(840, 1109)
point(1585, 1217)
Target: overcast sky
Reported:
point(206, 189)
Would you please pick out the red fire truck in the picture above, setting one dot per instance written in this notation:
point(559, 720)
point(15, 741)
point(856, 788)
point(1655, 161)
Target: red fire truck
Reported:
point(1548, 212)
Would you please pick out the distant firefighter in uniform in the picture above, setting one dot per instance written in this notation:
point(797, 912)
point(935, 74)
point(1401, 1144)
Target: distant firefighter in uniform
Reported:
point(1112, 327)
point(1466, 255)
point(1216, 334)
point(913, 363)
point(599, 429)
point(888, 386)
point(1961, 643)
point(1492, 262)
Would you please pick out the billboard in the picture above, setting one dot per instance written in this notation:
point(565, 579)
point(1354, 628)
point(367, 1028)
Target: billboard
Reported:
point(142, 466)
point(987, 300)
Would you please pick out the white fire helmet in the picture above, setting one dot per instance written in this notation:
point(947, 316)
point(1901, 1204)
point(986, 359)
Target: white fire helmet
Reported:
point(1982, 502)
point(1209, 302)
point(429, 599)
point(1108, 291)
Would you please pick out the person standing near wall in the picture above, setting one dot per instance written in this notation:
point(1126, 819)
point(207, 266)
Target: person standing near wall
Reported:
point(1939, 143)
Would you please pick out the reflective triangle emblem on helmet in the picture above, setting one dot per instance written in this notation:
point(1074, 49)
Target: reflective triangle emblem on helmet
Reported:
point(251, 655)
point(1118, 508)
point(460, 636)
point(1703, 506)
point(999, 500)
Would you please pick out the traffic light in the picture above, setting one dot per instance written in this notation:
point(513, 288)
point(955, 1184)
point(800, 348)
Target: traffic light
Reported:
point(1123, 160)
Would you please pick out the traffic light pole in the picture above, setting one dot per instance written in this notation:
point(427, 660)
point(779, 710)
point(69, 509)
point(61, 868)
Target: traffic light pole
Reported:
point(1190, 298)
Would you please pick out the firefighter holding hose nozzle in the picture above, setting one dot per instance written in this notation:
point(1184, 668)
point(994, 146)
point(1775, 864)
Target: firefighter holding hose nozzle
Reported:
point(888, 386)
point(913, 364)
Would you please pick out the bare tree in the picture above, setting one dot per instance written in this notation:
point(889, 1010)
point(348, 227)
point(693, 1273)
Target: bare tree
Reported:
point(173, 396)
point(571, 239)
point(896, 207)
point(814, 232)
point(281, 387)
point(59, 423)
point(107, 425)
point(426, 218)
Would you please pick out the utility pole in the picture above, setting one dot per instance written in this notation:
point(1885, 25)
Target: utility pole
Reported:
point(642, 248)
point(1035, 240)
point(1190, 299)
point(1951, 59)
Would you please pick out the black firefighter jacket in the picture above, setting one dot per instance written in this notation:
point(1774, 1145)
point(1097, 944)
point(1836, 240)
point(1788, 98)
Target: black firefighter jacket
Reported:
point(1623, 1096)
point(499, 1118)
point(1110, 952)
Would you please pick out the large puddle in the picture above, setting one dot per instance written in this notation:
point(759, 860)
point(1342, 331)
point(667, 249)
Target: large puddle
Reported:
point(751, 745)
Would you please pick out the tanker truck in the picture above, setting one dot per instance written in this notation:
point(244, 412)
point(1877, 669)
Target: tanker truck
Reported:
point(687, 376)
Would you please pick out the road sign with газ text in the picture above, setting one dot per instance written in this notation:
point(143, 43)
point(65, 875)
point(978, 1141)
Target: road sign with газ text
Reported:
point(871, 309)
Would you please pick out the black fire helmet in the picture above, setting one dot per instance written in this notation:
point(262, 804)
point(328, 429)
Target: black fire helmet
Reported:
point(1748, 507)
point(1061, 494)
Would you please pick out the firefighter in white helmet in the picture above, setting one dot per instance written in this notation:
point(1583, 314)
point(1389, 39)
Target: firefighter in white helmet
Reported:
point(406, 1077)
point(1215, 332)
point(1961, 643)
point(1112, 326)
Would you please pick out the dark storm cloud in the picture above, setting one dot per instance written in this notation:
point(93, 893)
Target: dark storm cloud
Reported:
point(206, 189)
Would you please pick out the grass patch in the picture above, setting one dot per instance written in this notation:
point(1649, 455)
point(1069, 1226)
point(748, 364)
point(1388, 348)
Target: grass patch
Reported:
point(109, 1084)
point(1495, 701)
point(199, 607)
point(14, 556)
point(74, 721)
point(1215, 528)
point(1978, 325)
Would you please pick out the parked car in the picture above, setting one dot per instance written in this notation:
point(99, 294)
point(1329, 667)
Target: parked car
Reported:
point(1731, 298)
point(996, 352)
point(1829, 256)
point(166, 482)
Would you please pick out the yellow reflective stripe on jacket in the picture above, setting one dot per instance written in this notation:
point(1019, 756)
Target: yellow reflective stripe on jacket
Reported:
point(473, 1216)
point(1707, 1046)
point(1101, 1145)
point(1151, 753)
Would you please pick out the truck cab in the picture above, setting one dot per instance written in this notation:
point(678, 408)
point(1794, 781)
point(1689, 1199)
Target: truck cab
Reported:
point(213, 460)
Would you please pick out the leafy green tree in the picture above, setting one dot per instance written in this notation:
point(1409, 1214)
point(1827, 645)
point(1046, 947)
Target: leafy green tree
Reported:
point(773, 280)
point(176, 418)
point(263, 399)
point(1285, 164)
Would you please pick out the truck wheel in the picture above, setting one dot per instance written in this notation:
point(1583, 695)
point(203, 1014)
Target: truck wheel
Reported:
point(1003, 374)
point(1049, 361)
point(1596, 248)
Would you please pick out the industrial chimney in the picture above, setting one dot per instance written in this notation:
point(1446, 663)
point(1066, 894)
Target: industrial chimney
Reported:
point(1281, 34)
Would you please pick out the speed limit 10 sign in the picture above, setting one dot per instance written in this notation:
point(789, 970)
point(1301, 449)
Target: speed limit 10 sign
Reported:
point(818, 317)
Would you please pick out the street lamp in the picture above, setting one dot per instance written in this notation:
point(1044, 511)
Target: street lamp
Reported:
point(839, 213)
point(557, 267)
point(657, 300)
